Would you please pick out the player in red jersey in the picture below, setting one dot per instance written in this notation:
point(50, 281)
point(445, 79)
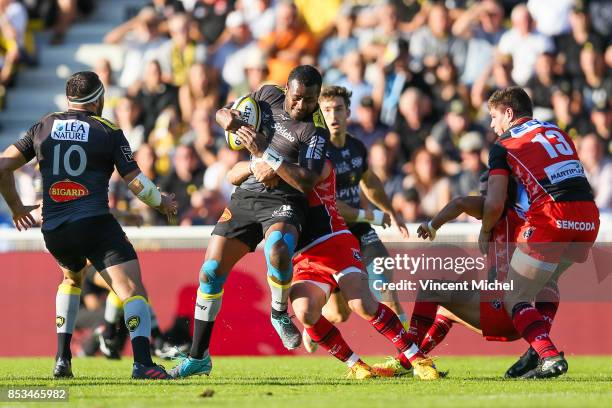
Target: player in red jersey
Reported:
point(328, 258)
point(562, 217)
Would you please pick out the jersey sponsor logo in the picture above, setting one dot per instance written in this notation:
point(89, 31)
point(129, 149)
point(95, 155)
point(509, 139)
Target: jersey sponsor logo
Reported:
point(564, 170)
point(496, 304)
point(524, 128)
point(127, 153)
point(315, 148)
point(71, 129)
point(281, 130)
point(356, 161)
point(575, 225)
point(356, 254)
point(226, 216)
point(346, 193)
point(318, 119)
point(283, 211)
point(528, 232)
point(346, 153)
point(342, 167)
point(67, 190)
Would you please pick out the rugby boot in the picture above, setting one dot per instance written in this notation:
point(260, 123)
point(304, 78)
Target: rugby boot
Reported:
point(528, 361)
point(63, 368)
point(360, 371)
point(549, 367)
point(425, 369)
point(154, 372)
point(189, 366)
point(393, 365)
point(286, 330)
point(309, 345)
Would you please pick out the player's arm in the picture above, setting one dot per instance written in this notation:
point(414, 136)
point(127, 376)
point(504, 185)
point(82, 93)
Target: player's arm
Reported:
point(301, 178)
point(374, 191)
point(13, 158)
point(352, 214)
point(239, 173)
point(139, 184)
point(471, 205)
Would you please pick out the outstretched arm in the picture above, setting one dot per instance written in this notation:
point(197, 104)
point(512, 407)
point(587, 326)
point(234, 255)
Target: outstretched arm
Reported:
point(470, 205)
point(374, 190)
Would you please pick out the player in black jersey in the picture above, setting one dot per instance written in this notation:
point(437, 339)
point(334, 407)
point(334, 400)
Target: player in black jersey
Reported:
point(350, 158)
point(77, 151)
point(291, 143)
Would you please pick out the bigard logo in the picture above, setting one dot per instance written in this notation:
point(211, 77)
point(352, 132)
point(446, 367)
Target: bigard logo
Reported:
point(67, 190)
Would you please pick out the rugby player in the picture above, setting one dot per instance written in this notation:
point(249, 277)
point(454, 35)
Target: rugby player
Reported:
point(562, 218)
point(328, 259)
point(291, 142)
point(350, 159)
point(77, 151)
point(483, 314)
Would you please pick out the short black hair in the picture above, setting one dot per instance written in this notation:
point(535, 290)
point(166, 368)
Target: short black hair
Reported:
point(306, 75)
point(81, 84)
point(513, 97)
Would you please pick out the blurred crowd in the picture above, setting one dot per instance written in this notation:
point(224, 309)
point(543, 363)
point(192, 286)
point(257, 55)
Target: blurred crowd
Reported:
point(420, 72)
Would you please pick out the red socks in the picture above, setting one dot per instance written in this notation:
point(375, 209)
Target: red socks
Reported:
point(547, 303)
point(328, 336)
point(422, 318)
point(532, 327)
point(437, 332)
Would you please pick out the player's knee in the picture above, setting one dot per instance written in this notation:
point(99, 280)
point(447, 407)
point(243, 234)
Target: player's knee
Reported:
point(307, 316)
point(364, 308)
point(278, 250)
point(211, 282)
point(337, 316)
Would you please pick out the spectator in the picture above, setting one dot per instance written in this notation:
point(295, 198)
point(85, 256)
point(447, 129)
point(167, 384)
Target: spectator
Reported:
point(65, 13)
point(13, 26)
point(595, 87)
point(445, 135)
point(598, 169)
point(340, 43)
point(551, 16)
point(184, 179)
point(601, 118)
point(385, 31)
point(166, 9)
point(482, 27)
point(255, 73)
point(467, 181)
point(202, 136)
point(382, 167)
point(229, 58)
point(412, 126)
point(145, 157)
point(287, 44)
point(446, 87)
point(429, 181)
point(127, 113)
point(210, 16)
point(165, 137)
point(573, 125)
point(408, 205)
point(601, 16)
point(112, 93)
point(570, 44)
point(540, 86)
point(353, 67)
point(365, 125)
point(432, 42)
point(206, 208)
point(140, 40)
point(179, 53)
point(215, 175)
point(201, 89)
point(154, 96)
point(259, 14)
point(523, 44)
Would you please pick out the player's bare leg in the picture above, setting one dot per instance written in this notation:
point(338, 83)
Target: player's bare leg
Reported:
point(281, 239)
point(355, 288)
point(221, 256)
point(66, 309)
point(336, 310)
point(125, 280)
point(307, 301)
point(529, 276)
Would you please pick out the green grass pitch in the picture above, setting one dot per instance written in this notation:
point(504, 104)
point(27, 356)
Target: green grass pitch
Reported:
point(296, 382)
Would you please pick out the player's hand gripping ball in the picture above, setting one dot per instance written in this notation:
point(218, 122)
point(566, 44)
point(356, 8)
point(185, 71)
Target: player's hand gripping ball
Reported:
point(249, 113)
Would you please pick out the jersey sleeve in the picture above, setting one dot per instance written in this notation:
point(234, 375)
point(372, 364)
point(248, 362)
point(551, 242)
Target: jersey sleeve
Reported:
point(313, 146)
point(498, 163)
point(25, 144)
point(122, 154)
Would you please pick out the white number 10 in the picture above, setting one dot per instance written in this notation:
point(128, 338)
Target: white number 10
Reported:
point(562, 147)
point(66, 161)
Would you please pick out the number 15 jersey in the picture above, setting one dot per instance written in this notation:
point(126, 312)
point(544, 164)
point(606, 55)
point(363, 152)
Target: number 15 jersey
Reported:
point(77, 152)
point(543, 159)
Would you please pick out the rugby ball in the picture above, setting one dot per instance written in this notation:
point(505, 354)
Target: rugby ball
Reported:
point(249, 113)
